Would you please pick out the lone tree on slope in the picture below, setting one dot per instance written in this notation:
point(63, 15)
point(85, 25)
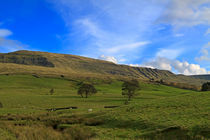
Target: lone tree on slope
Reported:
point(86, 89)
point(129, 88)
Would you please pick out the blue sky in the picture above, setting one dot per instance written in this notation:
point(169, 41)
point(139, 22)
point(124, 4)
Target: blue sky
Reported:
point(166, 34)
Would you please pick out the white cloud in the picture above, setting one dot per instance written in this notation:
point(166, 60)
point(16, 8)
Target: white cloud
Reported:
point(138, 65)
point(188, 69)
point(134, 65)
point(159, 63)
point(175, 65)
point(186, 13)
point(5, 33)
point(109, 58)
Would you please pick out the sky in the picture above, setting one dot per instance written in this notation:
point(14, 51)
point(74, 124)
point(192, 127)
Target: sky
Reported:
point(165, 34)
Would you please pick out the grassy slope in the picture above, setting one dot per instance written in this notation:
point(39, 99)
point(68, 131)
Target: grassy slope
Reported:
point(76, 67)
point(150, 115)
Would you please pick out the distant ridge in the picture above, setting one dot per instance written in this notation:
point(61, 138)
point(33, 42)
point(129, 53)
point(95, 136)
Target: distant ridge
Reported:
point(203, 77)
point(72, 66)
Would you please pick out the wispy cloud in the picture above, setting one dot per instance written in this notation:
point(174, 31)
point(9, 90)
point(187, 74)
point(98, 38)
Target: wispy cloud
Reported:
point(207, 32)
point(8, 45)
point(5, 33)
point(179, 35)
point(88, 27)
point(125, 47)
point(113, 28)
point(169, 53)
point(186, 13)
point(108, 42)
point(204, 53)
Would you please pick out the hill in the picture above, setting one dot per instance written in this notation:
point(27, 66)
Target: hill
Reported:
point(158, 112)
point(78, 67)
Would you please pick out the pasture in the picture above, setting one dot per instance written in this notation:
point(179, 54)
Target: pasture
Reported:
point(158, 112)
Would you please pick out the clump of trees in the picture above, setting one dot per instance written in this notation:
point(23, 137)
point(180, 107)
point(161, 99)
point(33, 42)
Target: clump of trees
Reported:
point(179, 85)
point(86, 89)
point(129, 88)
point(206, 87)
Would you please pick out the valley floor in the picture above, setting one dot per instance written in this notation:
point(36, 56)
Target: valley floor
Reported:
point(158, 112)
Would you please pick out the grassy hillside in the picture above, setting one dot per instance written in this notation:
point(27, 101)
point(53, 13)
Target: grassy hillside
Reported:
point(158, 112)
point(77, 67)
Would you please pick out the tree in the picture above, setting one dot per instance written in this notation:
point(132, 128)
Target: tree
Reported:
point(206, 87)
point(86, 89)
point(129, 88)
point(52, 91)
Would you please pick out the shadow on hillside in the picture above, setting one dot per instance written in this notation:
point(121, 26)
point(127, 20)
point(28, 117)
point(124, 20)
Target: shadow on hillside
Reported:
point(155, 132)
point(175, 133)
point(128, 124)
point(66, 97)
point(148, 130)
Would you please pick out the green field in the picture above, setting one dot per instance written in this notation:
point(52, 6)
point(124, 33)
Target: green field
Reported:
point(158, 112)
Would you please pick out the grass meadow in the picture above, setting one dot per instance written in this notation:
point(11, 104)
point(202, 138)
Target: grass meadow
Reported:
point(158, 112)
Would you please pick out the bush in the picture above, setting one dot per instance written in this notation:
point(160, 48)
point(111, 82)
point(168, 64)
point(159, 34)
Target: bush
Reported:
point(1, 106)
point(206, 87)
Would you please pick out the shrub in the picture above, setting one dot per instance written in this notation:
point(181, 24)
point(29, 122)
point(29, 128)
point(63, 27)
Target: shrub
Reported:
point(1, 106)
point(206, 87)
